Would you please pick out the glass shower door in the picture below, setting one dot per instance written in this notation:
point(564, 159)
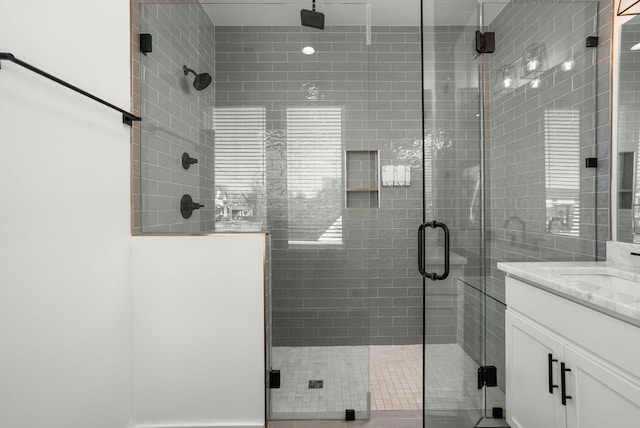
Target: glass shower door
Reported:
point(527, 127)
point(451, 237)
point(300, 94)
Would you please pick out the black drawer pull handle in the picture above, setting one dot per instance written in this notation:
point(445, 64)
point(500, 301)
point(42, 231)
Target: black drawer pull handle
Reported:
point(551, 385)
point(563, 382)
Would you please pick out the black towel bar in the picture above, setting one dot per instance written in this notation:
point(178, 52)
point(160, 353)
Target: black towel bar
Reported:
point(127, 117)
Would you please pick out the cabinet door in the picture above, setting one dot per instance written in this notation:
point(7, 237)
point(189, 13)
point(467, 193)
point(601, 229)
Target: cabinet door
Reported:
point(601, 395)
point(530, 404)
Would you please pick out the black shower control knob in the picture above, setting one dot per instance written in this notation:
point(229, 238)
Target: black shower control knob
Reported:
point(187, 206)
point(187, 160)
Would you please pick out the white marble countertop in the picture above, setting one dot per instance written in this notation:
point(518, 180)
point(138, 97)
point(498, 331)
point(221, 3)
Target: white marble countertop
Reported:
point(589, 283)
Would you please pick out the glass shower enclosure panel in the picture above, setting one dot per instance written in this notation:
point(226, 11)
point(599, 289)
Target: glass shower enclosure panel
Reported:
point(290, 133)
point(176, 145)
point(540, 90)
point(451, 236)
point(322, 187)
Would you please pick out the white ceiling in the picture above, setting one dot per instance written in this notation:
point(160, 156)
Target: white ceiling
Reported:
point(350, 12)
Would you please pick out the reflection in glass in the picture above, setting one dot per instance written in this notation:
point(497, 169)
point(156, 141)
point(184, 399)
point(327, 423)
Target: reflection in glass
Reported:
point(534, 61)
point(562, 171)
point(506, 80)
point(628, 134)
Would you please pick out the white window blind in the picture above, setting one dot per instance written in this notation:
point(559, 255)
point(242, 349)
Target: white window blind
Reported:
point(562, 171)
point(314, 174)
point(239, 176)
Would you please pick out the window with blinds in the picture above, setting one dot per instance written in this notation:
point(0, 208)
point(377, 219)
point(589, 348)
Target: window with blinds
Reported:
point(239, 176)
point(314, 174)
point(562, 171)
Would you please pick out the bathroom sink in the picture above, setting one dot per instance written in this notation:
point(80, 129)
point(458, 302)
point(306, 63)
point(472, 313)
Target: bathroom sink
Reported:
point(611, 287)
point(606, 281)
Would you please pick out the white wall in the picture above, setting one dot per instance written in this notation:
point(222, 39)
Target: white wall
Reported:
point(64, 221)
point(65, 251)
point(198, 331)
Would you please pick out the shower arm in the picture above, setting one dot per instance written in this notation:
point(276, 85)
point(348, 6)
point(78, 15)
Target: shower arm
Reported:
point(127, 117)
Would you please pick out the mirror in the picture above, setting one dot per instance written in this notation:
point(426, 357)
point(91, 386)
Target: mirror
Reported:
point(625, 189)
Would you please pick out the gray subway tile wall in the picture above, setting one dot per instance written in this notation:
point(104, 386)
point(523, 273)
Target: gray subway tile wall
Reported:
point(320, 295)
point(324, 296)
point(522, 137)
point(379, 88)
point(392, 125)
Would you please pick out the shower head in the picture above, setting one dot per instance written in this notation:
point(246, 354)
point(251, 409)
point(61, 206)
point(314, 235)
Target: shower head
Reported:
point(201, 81)
point(311, 18)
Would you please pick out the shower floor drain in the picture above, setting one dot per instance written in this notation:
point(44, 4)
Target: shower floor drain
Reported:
point(315, 384)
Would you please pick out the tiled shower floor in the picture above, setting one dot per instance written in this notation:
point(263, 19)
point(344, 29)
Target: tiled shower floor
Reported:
point(343, 370)
point(395, 380)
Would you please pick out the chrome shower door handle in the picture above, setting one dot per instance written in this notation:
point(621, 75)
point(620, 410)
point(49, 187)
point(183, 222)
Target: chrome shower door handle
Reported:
point(421, 251)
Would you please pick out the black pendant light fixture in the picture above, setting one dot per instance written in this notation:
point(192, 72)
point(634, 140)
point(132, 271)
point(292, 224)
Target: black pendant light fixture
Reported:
point(312, 18)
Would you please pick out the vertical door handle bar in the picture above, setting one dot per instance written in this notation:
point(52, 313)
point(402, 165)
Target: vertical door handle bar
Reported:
point(421, 264)
point(446, 249)
point(421, 251)
point(551, 385)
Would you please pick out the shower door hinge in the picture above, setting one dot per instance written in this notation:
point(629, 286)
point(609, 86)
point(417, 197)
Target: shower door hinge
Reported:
point(274, 379)
point(350, 415)
point(591, 162)
point(487, 376)
point(146, 43)
point(485, 42)
point(592, 42)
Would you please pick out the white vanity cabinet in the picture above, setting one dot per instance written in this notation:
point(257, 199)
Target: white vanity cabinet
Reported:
point(529, 402)
point(600, 355)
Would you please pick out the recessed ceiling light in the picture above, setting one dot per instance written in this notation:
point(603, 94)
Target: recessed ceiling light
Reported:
point(635, 47)
point(308, 50)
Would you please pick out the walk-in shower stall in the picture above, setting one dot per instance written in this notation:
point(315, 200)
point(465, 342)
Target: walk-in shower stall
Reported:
point(393, 162)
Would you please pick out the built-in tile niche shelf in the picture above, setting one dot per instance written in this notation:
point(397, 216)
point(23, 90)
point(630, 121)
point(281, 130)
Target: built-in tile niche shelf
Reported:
point(362, 178)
